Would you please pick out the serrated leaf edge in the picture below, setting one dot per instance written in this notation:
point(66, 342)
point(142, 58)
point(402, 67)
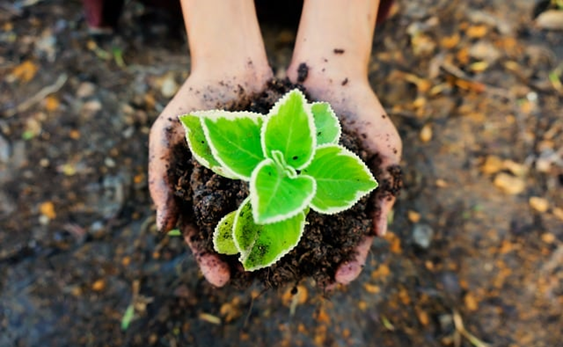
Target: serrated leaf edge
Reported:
point(274, 110)
point(222, 171)
point(333, 114)
point(237, 245)
point(359, 194)
point(282, 254)
point(216, 234)
point(280, 217)
point(235, 115)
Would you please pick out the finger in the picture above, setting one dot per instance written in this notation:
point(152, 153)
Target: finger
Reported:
point(163, 135)
point(383, 207)
point(350, 270)
point(389, 175)
point(212, 267)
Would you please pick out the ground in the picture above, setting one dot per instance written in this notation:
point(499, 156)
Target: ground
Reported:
point(474, 255)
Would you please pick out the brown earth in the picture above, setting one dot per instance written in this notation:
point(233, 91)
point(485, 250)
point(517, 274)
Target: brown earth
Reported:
point(327, 241)
point(475, 247)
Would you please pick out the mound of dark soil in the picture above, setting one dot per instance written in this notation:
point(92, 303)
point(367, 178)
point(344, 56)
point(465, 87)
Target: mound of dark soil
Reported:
point(328, 240)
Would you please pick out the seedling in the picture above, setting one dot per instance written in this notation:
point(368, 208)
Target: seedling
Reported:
point(293, 163)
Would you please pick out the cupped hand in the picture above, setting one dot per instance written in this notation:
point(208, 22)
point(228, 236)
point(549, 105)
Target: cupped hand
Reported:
point(360, 111)
point(197, 93)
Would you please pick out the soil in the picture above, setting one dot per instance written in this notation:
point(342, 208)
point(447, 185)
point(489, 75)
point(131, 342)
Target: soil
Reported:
point(474, 247)
point(327, 240)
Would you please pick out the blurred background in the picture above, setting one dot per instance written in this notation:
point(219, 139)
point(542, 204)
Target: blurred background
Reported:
point(474, 256)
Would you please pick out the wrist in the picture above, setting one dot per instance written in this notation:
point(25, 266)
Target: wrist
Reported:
point(322, 72)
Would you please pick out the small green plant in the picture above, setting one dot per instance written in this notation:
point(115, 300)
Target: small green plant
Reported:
point(293, 163)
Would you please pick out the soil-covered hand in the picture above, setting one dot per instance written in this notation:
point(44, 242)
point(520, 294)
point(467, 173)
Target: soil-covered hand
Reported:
point(360, 111)
point(331, 58)
point(197, 93)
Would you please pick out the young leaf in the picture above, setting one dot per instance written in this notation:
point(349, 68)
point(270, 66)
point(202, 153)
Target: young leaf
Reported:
point(342, 179)
point(199, 145)
point(234, 139)
point(174, 232)
point(275, 196)
point(326, 124)
point(223, 241)
point(127, 317)
point(243, 237)
point(263, 245)
point(290, 129)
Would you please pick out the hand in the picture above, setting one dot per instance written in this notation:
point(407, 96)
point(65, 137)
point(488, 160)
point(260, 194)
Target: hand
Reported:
point(334, 41)
point(197, 93)
point(359, 110)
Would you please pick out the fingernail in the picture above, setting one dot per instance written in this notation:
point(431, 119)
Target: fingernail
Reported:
point(348, 272)
point(214, 270)
point(381, 228)
point(159, 221)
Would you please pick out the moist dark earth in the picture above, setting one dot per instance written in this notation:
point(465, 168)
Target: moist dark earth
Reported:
point(474, 252)
point(327, 241)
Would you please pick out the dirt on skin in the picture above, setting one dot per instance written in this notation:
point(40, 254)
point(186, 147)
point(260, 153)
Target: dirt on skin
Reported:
point(474, 247)
point(328, 240)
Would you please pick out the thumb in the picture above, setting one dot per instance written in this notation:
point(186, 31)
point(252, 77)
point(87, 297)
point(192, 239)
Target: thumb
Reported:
point(214, 270)
point(163, 136)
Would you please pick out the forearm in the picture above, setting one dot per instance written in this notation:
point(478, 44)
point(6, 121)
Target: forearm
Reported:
point(338, 34)
point(222, 33)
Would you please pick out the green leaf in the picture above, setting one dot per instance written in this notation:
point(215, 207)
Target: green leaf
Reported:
point(263, 245)
point(326, 123)
point(342, 179)
point(198, 144)
point(275, 196)
point(223, 241)
point(127, 317)
point(174, 232)
point(290, 129)
point(234, 138)
point(243, 237)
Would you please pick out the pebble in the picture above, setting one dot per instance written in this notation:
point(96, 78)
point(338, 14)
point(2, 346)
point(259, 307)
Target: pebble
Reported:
point(48, 209)
point(47, 45)
point(99, 285)
point(44, 162)
point(515, 168)
point(441, 183)
point(168, 86)
point(422, 235)
point(558, 212)
point(471, 302)
point(547, 158)
point(97, 229)
point(413, 216)
point(109, 162)
point(503, 26)
point(90, 108)
point(492, 165)
point(539, 204)
point(509, 184)
point(551, 20)
point(486, 51)
point(128, 132)
point(548, 238)
point(85, 89)
point(426, 133)
point(44, 220)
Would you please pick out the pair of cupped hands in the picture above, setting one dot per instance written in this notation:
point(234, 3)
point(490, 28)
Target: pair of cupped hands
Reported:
point(353, 101)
